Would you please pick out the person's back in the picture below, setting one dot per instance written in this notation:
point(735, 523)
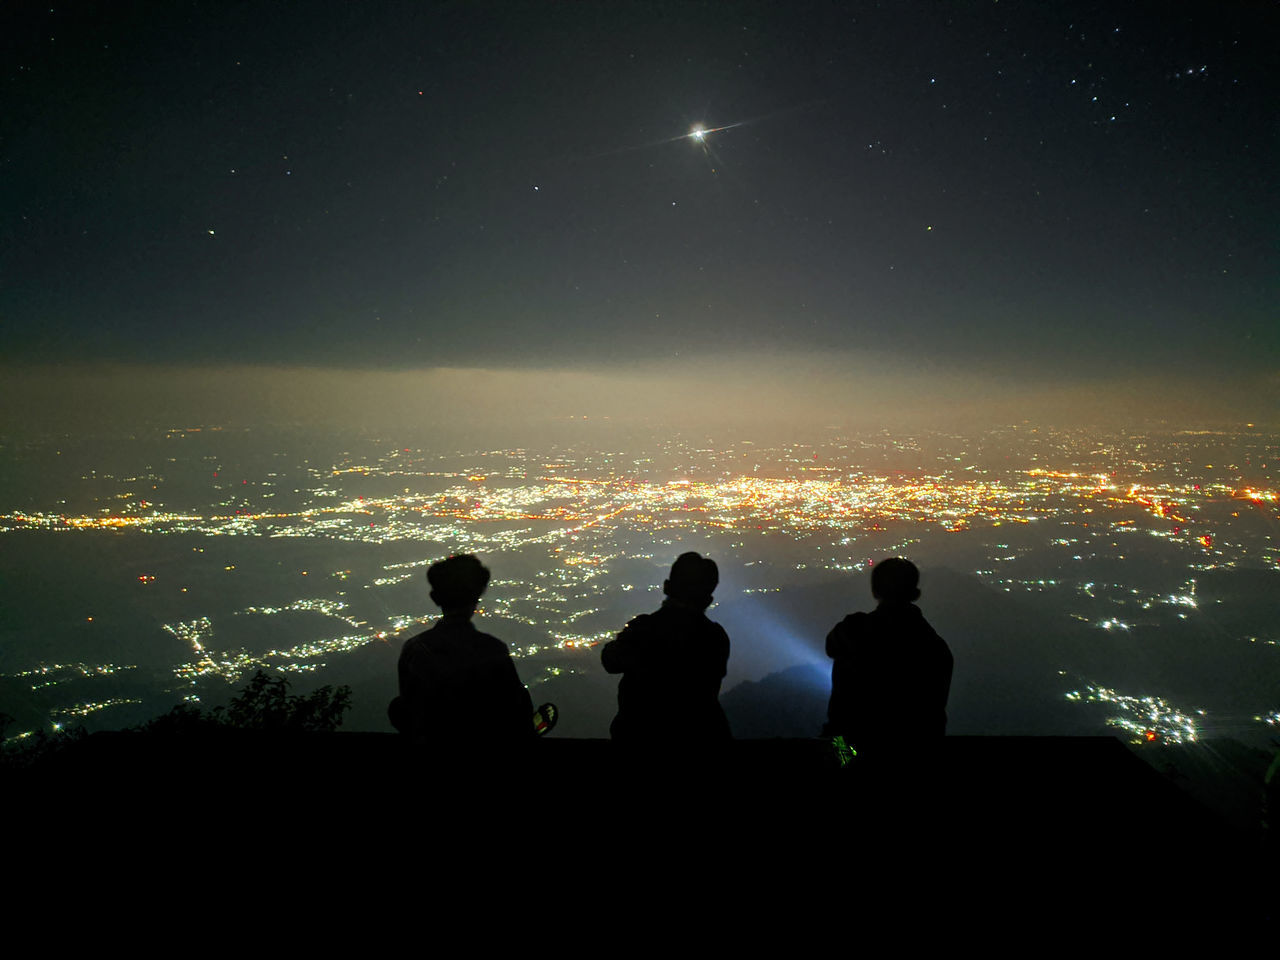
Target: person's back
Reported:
point(891, 674)
point(672, 662)
point(457, 683)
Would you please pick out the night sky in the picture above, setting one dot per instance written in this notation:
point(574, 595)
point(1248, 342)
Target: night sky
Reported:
point(1057, 190)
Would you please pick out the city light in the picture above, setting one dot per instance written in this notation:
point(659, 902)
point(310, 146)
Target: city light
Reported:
point(581, 522)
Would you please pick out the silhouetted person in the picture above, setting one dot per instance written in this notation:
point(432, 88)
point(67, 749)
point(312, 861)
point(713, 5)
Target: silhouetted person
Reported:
point(456, 683)
point(672, 662)
point(892, 672)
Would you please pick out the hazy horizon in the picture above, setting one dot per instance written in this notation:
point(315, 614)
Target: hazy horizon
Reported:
point(794, 394)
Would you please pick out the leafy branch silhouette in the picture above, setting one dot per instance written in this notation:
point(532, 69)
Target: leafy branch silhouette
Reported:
point(264, 705)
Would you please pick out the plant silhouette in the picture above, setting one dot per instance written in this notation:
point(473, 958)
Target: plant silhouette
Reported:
point(265, 705)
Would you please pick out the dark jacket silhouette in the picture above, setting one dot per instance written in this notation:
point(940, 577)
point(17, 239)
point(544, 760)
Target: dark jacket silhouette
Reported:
point(671, 662)
point(458, 683)
point(890, 679)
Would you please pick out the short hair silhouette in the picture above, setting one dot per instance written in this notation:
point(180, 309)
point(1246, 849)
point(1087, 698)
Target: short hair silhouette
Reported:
point(895, 580)
point(693, 579)
point(458, 582)
point(891, 673)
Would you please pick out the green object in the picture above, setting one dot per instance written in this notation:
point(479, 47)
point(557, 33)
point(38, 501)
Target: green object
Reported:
point(844, 753)
point(544, 718)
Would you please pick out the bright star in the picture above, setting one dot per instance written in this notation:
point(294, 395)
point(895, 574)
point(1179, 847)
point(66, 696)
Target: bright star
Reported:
point(700, 134)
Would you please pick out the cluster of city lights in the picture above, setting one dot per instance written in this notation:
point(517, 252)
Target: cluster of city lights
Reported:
point(582, 515)
point(554, 506)
point(84, 709)
point(233, 664)
point(1144, 719)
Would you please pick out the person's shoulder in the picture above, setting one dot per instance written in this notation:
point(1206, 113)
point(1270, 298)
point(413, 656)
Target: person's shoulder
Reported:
point(847, 636)
point(923, 622)
point(641, 621)
point(489, 640)
point(853, 621)
point(857, 624)
point(720, 637)
point(710, 630)
point(417, 641)
point(713, 626)
point(935, 638)
point(927, 633)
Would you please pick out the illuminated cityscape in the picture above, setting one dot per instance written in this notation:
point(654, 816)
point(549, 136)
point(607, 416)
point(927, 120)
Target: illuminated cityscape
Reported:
point(796, 286)
point(230, 558)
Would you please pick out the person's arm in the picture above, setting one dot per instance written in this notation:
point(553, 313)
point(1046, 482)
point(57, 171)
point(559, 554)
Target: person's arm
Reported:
point(402, 673)
point(617, 655)
point(495, 690)
point(722, 652)
point(406, 710)
point(521, 701)
point(946, 668)
point(841, 638)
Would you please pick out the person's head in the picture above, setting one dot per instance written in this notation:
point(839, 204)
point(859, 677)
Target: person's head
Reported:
point(692, 581)
point(457, 583)
point(895, 580)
